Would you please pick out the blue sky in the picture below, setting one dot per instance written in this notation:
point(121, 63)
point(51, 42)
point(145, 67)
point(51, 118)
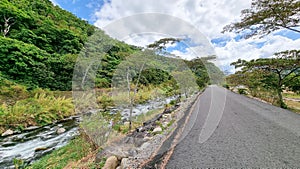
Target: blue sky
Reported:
point(209, 17)
point(84, 9)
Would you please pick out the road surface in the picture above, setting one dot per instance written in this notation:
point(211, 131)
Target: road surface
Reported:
point(248, 133)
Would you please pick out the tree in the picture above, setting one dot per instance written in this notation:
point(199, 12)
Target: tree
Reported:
point(285, 65)
point(293, 83)
point(161, 44)
point(130, 96)
point(7, 25)
point(266, 16)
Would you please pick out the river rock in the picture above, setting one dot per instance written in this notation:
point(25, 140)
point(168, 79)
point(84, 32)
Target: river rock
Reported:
point(124, 163)
point(133, 152)
point(165, 124)
point(41, 149)
point(60, 130)
point(111, 163)
point(167, 116)
point(147, 138)
point(31, 128)
point(126, 123)
point(7, 133)
point(144, 146)
point(157, 130)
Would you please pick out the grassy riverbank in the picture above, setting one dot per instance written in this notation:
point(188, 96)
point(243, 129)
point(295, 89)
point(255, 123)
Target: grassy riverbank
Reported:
point(71, 153)
point(21, 108)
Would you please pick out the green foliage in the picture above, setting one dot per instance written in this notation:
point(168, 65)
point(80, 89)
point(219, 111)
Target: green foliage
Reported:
point(153, 76)
point(226, 86)
point(272, 74)
point(293, 83)
point(97, 128)
point(205, 71)
point(24, 63)
point(266, 16)
point(39, 110)
point(105, 101)
point(161, 44)
point(48, 27)
point(43, 43)
point(10, 92)
point(242, 91)
point(72, 152)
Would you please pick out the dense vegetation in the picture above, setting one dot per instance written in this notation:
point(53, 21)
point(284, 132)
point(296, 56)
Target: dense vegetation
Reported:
point(39, 47)
point(269, 77)
point(41, 42)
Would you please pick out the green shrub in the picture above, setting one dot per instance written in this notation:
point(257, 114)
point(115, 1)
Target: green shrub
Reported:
point(226, 86)
point(242, 91)
point(39, 110)
point(73, 151)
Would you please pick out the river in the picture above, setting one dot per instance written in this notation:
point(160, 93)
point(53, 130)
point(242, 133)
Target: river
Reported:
point(34, 143)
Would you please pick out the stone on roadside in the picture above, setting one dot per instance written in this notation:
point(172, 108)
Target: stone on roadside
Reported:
point(165, 124)
point(167, 116)
point(7, 133)
point(157, 130)
point(126, 123)
point(111, 163)
point(60, 130)
point(144, 146)
point(124, 163)
point(147, 138)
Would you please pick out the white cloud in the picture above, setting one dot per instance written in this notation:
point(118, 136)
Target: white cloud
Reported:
point(245, 49)
point(54, 2)
point(209, 17)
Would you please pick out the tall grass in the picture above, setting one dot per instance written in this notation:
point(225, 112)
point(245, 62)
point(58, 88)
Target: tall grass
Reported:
point(38, 110)
point(72, 152)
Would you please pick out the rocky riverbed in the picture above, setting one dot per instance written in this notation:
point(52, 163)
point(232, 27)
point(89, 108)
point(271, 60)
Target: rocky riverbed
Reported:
point(34, 142)
point(143, 144)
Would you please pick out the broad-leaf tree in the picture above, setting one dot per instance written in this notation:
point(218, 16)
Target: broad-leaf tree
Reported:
point(266, 16)
point(285, 65)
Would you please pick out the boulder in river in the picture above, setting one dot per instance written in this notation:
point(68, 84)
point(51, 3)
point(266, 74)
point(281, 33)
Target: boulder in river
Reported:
point(7, 133)
point(124, 163)
point(31, 128)
point(60, 130)
point(111, 163)
point(41, 149)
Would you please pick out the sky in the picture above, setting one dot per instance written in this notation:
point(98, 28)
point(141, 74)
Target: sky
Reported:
point(180, 17)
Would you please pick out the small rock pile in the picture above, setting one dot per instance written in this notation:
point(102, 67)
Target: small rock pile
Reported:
point(139, 145)
point(122, 153)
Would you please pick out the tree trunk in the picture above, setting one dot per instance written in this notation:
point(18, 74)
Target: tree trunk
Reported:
point(279, 92)
point(130, 99)
point(130, 116)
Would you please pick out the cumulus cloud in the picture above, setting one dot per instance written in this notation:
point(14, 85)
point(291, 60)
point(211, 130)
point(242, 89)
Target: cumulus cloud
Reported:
point(208, 17)
point(247, 49)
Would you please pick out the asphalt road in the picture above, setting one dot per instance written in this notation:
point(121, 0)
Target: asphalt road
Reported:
point(227, 130)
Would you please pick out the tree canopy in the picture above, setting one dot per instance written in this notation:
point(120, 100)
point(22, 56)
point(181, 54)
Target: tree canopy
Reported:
point(266, 16)
point(278, 71)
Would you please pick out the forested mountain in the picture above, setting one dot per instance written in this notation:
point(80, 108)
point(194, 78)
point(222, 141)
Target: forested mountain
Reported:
point(40, 46)
point(40, 43)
